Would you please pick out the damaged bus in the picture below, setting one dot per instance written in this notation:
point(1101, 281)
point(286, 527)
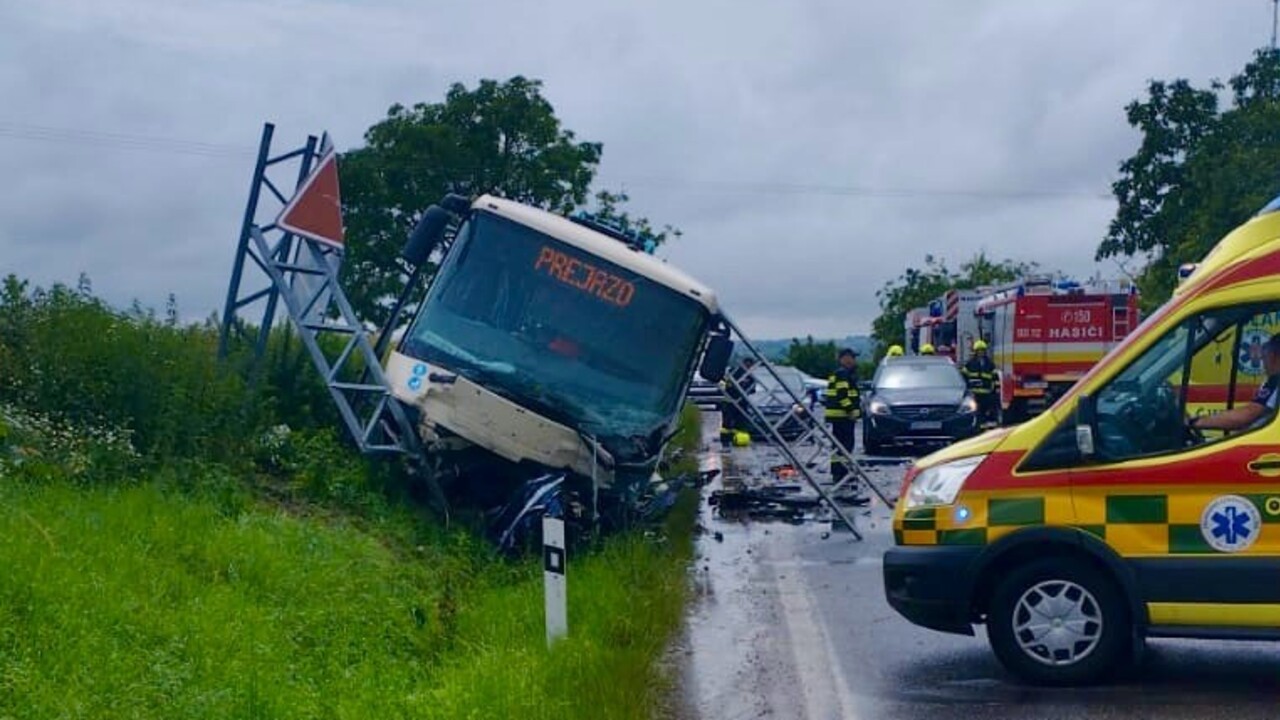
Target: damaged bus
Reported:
point(546, 343)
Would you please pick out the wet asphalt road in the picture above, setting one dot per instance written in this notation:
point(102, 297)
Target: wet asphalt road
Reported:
point(792, 622)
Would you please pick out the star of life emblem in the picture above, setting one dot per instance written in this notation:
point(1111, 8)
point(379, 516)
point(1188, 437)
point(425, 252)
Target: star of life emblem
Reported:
point(1230, 523)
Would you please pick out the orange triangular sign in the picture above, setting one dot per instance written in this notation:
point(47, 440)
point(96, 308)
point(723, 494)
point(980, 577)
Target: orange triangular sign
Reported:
point(316, 208)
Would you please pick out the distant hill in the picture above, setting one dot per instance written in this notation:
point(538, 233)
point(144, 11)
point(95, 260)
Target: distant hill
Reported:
point(777, 348)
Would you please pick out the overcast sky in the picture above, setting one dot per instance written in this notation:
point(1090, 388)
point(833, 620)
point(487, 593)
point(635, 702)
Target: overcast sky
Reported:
point(809, 150)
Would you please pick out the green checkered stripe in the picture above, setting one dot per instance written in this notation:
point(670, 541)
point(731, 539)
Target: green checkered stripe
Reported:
point(1001, 512)
point(1183, 538)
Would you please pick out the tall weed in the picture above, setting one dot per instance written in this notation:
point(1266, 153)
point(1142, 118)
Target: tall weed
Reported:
point(67, 355)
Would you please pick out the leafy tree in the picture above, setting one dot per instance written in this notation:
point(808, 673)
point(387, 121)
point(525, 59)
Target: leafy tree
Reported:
point(913, 288)
point(981, 270)
point(608, 212)
point(916, 287)
point(1199, 171)
point(812, 358)
point(499, 137)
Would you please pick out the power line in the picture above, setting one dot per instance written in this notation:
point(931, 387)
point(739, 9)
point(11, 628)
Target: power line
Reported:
point(122, 141)
point(788, 188)
point(175, 146)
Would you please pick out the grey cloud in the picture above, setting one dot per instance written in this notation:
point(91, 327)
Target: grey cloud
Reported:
point(715, 116)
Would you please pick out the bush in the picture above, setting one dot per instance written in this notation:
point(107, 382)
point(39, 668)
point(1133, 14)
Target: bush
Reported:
point(71, 358)
point(101, 393)
point(34, 447)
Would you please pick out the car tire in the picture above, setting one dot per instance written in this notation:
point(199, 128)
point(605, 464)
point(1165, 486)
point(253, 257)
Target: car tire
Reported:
point(1086, 636)
point(871, 446)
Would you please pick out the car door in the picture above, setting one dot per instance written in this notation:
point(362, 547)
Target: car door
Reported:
point(1197, 518)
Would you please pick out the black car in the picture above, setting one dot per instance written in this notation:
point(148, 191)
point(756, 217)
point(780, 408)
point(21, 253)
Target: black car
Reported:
point(916, 401)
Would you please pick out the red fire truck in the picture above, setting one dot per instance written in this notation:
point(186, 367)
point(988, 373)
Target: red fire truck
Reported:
point(1043, 335)
point(950, 324)
point(916, 325)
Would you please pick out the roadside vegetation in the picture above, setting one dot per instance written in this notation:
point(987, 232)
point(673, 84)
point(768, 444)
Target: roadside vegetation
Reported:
point(181, 541)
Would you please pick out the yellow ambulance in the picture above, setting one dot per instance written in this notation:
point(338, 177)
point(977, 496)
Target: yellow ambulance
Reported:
point(1112, 517)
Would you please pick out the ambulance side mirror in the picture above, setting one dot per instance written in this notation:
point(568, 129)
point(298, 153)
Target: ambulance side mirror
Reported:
point(1086, 420)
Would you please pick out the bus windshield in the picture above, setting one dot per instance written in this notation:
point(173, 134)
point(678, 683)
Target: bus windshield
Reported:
point(560, 331)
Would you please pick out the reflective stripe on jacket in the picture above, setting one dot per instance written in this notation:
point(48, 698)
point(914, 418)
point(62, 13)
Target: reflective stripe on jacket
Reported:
point(980, 374)
point(841, 396)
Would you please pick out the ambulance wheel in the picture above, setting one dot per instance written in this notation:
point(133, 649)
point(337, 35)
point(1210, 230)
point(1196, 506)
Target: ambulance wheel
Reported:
point(1059, 621)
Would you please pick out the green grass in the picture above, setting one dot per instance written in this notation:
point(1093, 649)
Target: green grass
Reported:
point(687, 440)
point(188, 598)
point(170, 548)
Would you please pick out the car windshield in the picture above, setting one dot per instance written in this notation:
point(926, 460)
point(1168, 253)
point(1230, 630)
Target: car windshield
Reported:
point(565, 333)
point(1167, 356)
point(768, 388)
point(909, 376)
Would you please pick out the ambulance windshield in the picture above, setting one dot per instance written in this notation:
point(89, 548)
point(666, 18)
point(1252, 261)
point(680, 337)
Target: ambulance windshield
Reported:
point(1142, 411)
point(562, 332)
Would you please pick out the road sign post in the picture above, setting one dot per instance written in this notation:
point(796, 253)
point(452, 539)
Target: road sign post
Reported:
point(553, 576)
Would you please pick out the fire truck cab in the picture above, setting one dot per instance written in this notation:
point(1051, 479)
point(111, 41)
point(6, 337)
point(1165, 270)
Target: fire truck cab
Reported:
point(1045, 334)
point(917, 329)
point(953, 323)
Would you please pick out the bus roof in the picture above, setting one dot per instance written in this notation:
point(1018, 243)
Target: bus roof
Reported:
point(600, 245)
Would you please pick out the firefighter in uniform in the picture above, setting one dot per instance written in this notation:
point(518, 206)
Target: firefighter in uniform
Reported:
point(843, 409)
point(736, 389)
point(980, 373)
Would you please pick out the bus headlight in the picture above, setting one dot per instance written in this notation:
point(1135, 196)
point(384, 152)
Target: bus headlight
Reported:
point(940, 484)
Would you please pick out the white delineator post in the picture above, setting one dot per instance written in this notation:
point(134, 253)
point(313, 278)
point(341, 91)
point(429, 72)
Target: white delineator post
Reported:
point(553, 575)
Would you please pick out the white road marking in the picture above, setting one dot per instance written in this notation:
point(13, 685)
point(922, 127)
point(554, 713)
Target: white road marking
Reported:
point(866, 561)
point(825, 691)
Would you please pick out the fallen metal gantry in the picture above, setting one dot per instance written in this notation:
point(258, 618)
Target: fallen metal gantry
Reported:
point(815, 432)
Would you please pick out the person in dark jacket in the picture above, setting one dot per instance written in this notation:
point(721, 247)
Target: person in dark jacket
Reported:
point(1261, 410)
point(843, 409)
point(980, 374)
point(737, 386)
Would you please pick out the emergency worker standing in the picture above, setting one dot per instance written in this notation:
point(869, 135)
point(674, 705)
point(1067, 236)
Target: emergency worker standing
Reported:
point(980, 374)
point(843, 409)
point(740, 383)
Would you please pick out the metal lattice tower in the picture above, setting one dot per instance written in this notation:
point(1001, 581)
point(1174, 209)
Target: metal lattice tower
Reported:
point(814, 428)
point(302, 279)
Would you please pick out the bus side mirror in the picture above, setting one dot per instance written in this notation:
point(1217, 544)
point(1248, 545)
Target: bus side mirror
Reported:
point(1086, 421)
point(426, 235)
point(457, 204)
point(716, 358)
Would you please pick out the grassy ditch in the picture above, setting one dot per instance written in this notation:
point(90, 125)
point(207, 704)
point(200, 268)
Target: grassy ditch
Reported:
point(144, 601)
point(172, 549)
